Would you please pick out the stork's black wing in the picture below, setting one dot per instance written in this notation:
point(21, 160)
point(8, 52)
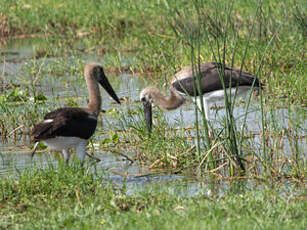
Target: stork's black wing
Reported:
point(68, 122)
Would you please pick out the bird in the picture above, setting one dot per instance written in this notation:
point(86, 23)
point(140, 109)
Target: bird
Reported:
point(185, 86)
point(71, 127)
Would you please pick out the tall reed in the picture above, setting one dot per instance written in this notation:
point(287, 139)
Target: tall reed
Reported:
point(216, 29)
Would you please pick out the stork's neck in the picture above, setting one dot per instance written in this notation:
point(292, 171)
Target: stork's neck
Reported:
point(172, 102)
point(94, 104)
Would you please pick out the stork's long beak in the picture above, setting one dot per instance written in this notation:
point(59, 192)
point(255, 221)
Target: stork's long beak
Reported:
point(107, 86)
point(148, 114)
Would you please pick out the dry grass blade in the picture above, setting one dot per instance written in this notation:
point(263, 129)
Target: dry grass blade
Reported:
point(208, 152)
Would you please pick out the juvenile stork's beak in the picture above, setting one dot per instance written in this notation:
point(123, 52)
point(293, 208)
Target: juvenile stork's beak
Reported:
point(104, 82)
point(148, 114)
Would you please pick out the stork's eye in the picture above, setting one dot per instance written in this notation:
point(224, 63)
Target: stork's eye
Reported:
point(143, 99)
point(98, 70)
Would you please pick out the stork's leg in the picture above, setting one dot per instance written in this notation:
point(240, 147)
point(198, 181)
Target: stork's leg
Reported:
point(80, 149)
point(207, 108)
point(207, 114)
point(65, 155)
point(34, 149)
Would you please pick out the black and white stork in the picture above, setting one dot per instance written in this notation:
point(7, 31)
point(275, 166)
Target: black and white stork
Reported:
point(69, 127)
point(184, 86)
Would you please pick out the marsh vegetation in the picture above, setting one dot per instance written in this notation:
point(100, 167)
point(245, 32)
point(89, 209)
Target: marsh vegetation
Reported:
point(44, 47)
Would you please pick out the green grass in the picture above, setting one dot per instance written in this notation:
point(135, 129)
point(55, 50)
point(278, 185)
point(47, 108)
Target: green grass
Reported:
point(73, 198)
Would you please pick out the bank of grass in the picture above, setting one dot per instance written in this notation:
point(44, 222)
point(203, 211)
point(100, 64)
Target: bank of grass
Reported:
point(69, 197)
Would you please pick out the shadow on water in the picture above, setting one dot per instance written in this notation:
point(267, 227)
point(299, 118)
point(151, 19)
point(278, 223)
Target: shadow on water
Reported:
point(15, 157)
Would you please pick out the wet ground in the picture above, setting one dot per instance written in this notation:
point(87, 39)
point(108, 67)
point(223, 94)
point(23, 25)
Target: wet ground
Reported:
point(15, 156)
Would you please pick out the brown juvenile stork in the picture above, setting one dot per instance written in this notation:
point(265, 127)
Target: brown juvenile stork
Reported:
point(69, 127)
point(184, 86)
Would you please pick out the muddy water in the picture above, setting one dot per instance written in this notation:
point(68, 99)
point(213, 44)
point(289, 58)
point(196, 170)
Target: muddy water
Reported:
point(15, 157)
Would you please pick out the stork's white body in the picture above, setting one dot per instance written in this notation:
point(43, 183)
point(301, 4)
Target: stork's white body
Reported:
point(217, 96)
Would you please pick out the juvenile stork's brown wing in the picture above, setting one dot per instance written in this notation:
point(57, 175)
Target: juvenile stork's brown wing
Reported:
point(211, 77)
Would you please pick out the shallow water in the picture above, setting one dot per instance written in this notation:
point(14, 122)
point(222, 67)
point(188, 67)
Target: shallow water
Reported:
point(15, 156)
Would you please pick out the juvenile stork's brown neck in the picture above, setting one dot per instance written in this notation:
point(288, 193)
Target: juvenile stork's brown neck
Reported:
point(173, 101)
point(94, 104)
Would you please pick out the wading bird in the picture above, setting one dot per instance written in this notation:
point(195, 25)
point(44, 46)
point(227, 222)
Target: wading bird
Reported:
point(69, 127)
point(185, 86)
